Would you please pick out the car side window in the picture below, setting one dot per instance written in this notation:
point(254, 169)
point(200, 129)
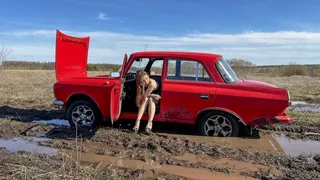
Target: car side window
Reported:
point(187, 70)
point(138, 64)
point(156, 68)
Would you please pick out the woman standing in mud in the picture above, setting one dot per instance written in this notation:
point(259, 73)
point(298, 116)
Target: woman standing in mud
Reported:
point(144, 98)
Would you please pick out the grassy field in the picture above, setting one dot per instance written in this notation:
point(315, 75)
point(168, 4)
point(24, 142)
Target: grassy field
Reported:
point(29, 87)
point(302, 88)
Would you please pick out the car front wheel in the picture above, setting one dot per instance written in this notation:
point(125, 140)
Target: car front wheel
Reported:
point(83, 114)
point(218, 124)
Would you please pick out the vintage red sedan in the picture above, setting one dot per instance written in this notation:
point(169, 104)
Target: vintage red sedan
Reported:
point(196, 88)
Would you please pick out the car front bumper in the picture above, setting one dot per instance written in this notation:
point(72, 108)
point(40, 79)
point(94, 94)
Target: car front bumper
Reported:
point(57, 103)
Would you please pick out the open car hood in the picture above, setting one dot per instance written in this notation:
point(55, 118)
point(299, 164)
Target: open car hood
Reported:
point(71, 56)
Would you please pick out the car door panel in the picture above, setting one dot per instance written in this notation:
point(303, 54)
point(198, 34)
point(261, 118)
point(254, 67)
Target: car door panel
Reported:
point(183, 100)
point(186, 90)
point(116, 94)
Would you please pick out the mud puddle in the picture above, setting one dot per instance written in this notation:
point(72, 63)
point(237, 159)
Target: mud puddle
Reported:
point(27, 144)
point(56, 122)
point(301, 106)
point(237, 166)
point(265, 143)
point(151, 166)
point(296, 147)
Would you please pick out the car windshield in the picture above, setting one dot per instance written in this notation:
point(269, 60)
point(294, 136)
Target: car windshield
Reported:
point(228, 75)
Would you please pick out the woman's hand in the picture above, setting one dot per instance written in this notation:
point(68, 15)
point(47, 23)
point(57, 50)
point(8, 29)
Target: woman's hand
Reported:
point(155, 96)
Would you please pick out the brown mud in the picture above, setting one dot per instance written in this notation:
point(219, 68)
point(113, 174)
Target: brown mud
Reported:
point(26, 165)
point(167, 153)
point(155, 167)
point(175, 154)
point(25, 112)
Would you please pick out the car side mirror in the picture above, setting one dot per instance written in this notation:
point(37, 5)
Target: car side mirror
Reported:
point(115, 74)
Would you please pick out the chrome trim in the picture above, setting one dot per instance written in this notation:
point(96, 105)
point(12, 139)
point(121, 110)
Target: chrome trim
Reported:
point(204, 96)
point(57, 102)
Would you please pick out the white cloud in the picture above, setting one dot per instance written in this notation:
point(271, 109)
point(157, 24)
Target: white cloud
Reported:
point(102, 16)
point(280, 47)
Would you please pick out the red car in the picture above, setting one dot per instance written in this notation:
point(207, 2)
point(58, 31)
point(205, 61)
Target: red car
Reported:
point(195, 88)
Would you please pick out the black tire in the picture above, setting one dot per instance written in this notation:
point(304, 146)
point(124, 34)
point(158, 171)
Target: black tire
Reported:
point(232, 123)
point(97, 118)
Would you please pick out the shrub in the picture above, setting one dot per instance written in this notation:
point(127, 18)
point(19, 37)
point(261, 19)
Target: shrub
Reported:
point(314, 71)
point(293, 69)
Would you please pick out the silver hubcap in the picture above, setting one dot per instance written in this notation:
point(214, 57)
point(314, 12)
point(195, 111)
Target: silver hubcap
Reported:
point(83, 116)
point(218, 126)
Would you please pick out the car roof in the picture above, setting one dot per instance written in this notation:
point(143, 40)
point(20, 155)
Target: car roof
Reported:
point(179, 54)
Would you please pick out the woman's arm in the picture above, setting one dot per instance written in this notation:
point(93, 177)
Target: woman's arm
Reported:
point(151, 87)
point(142, 91)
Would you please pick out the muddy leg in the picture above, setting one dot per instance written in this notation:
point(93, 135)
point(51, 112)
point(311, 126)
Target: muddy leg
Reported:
point(152, 109)
point(140, 113)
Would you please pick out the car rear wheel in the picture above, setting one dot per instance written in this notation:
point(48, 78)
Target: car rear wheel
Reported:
point(83, 113)
point(218, 124)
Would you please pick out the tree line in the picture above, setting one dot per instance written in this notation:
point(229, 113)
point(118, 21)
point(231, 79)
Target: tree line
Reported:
point(240, 66)
point(26, 65)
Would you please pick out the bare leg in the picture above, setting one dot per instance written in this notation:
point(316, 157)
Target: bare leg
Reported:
point(152, 110)
point(141, 110)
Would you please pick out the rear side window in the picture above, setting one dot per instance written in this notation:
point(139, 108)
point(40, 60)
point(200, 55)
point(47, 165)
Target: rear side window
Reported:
point(187, 70)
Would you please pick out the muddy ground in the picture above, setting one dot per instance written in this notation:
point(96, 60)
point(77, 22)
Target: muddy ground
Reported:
point(169, 153)
point(108, 152)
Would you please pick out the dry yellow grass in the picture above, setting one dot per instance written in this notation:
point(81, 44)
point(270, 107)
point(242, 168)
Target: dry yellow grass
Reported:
point(29, 86)
point(302, 88)
point(35, 86)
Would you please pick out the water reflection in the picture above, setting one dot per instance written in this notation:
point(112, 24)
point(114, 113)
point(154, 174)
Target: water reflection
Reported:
point(295, 147)
point(27, 144)
point(301, 106)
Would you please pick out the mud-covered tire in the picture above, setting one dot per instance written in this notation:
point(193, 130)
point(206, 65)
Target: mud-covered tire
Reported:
point(212, 116)
point(89, 108)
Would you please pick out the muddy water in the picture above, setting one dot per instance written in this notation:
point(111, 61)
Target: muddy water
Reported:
point(237, 166)
point(301, 106)
point(265, 143)
point(192, 173)
point(56, 122)
point(27, 144)
point(295, 147)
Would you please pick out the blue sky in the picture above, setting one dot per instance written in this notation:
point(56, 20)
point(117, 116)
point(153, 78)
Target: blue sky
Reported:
point(264, 32)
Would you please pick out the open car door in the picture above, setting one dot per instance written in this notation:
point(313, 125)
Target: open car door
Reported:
point(71, 56)
point(117, 94)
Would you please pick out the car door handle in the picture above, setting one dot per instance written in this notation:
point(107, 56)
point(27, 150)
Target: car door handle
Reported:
point(204, 96)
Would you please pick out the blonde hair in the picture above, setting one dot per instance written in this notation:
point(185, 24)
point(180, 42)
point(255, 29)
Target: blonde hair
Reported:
point(139, 79)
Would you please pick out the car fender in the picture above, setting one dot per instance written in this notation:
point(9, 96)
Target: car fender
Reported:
point(82, 93)
point(200, 112)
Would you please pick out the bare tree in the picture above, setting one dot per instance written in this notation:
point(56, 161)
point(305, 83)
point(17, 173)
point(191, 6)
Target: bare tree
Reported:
point(4, 53)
